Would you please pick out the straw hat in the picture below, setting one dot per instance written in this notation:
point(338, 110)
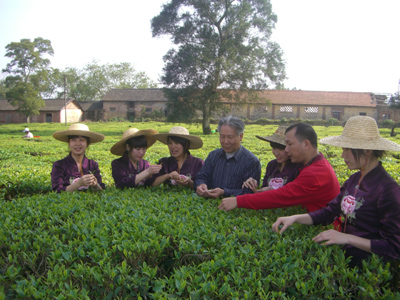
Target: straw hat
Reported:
point(361, 132)
point(195, 141)
point(278, 137)
point(78, 129)
point(119, 148)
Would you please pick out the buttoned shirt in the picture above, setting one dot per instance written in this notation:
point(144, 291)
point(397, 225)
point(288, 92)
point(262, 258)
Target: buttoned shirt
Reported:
point(124, 173)
point(229, 174)
point(376, 213)
point(190, 167)
point(65, 171)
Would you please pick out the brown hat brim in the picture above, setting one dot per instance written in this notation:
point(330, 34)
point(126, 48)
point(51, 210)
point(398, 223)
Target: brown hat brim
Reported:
point(62, 136)
point(119, 147)
point(195, 141)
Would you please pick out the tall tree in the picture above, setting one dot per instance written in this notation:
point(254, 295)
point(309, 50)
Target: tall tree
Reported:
point(221, 45)
point(394, 103)
point(94, 80)
point(29, 70)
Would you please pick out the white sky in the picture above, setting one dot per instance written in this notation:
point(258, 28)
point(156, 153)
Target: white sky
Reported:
point(329, 45)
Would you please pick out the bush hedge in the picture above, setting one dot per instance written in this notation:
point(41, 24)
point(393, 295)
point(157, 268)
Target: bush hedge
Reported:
point(164, 242)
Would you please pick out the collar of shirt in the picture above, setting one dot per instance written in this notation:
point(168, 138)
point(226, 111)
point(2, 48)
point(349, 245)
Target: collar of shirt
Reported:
point(235, 154)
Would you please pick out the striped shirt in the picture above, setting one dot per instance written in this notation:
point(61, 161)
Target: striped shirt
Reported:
point(229, 174)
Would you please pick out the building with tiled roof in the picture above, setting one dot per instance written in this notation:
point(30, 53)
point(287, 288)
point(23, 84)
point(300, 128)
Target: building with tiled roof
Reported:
point(130, 103)
point(274, 104)
point(53, 111)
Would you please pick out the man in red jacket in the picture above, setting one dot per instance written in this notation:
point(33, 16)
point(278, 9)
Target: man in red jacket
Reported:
point(313, 188)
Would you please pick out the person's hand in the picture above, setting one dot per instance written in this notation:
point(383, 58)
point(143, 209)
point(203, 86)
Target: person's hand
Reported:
point(265, 188)
point(88, 179)
point(174, 175)
point(331, 237)
point(183, 180)
point(228, 204)
point(215, 193)
point(250, 183)
point(201, 190)
point(153, 169)
point(285, 221)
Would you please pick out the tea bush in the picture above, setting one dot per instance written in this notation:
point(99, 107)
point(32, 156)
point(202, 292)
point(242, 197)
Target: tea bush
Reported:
point(164, 242)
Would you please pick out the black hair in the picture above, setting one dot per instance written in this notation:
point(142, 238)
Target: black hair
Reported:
point(180, 140)
point(358, 153)
point(304, 132)
point(70, 137)
point(137, 142)
point(277, 146)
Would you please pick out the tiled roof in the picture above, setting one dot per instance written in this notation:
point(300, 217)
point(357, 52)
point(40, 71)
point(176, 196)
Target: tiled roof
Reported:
point(296, 97)
point(279, 97)
point(50, 105)
point(91, 105)
point(149, 95)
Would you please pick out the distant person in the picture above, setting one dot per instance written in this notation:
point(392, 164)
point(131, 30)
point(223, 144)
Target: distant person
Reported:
point(280, 170)
point(181, 167)
point(369, 201)
point(314, 187)
point(28, 134)
point(226, 168)
point(76, 171)
point(131, 170)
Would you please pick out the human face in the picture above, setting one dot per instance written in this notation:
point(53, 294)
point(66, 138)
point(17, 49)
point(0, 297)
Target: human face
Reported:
point(280, 155)
point(136, 154)
point(77, 145)
point(230, 141)
point(294, 148)
point(175, 149)
point(351, 161)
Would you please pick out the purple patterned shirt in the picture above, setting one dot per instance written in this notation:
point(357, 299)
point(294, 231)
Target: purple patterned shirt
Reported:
point(191, 166)
point(65, 171)
point(288, 174)
point(375, 217)
point(124, 173)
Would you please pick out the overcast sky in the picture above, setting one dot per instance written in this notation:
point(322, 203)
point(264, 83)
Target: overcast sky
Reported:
point(340, 45)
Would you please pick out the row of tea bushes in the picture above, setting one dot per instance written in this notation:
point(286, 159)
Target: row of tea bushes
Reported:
point(167, 243)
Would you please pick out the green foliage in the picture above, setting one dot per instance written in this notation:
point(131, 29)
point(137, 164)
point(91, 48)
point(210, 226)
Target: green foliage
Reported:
point(219, 46)
point(94, 80)
point(28, 69)
point(164, 242)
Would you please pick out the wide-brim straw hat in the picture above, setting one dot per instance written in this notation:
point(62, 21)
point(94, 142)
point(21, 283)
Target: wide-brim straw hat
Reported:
point(81, 130)
point(278, 137)
point(361, 132)
point(119, 148)
point(195, 141)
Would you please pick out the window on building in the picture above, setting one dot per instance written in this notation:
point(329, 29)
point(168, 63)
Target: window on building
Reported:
point(386, 116)
point(286, 108)
point(363, 114)
point(49, 118)
point(113, 109)
point(311, 110)
point(148, 109)
point(336, 115)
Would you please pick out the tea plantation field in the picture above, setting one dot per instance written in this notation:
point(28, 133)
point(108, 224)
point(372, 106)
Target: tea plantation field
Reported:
point(163, 242)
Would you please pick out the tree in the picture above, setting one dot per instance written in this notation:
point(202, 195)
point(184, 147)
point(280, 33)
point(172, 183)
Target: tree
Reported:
point(222, 51)
point(29, 69)
point(394, 103)
point(94, 80)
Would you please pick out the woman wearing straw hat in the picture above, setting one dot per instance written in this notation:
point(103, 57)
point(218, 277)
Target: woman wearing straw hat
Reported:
point(76, 172)
point(279, 170)
point(369, 201)
point(181, 167)
point(131, 170)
